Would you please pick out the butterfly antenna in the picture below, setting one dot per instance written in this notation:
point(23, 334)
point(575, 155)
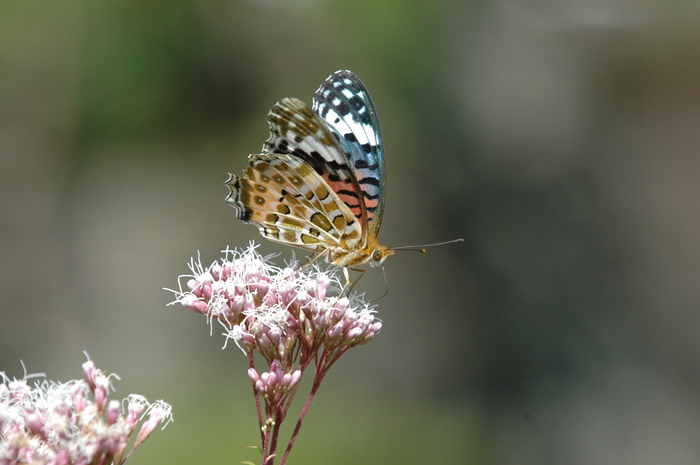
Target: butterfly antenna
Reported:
point(421, 248)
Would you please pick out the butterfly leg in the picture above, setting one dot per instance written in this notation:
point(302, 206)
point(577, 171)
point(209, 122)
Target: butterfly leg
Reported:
point(304, 266)
point(348, 285)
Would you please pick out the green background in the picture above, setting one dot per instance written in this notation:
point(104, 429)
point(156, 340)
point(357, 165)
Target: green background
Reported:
point(560, 139)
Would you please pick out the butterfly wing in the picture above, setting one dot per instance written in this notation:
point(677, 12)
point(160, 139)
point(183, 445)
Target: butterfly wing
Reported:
point(291, 204)
point(296, 130)
point(343, 102)
point(297, 191)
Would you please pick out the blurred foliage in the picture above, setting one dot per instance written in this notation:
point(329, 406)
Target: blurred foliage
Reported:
point(153, 69)
point(559, 140)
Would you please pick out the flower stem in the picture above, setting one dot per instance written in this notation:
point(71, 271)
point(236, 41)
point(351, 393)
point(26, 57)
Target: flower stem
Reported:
point(261, 422)
point(302, 415)
point(302, 367)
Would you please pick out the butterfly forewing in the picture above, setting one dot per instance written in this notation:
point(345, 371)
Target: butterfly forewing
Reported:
point(343, 102)
point(296, 130)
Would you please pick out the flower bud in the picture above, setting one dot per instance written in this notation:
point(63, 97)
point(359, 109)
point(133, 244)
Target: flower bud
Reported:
point(89, 371)
point(296, 376)
point(261, 287)
point(242, 338)
point(113, 411)
point(225, 271)
point(206, 290)
point(193, 285)
point(78, 400)
point(35, 423)
point(159, 412)
point(322, 287)
point(286, 380)
point(62, 457)
point(275, 334)
point(335, 332)
point(111, 445)
point(100, 393)
point(137, 404)
point(272, 380)
point(253, 375)
point(196, 305)
point(237, 303)
point(270, 299)
point(260, 386)
point(352, 335)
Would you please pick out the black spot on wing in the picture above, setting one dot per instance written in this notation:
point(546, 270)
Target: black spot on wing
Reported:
point(370, 181)
point(348, 193)
point(356, 102)
point(342, 109)
point(335, 171)
point(344, 103)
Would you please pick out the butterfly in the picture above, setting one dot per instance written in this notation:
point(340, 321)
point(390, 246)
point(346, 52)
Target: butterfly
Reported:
point(320, 181)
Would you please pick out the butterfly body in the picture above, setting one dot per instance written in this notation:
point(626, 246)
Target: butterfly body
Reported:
point(320, 182)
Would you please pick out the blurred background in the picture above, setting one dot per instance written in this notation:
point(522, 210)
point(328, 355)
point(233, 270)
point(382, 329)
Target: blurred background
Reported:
point(560, 139)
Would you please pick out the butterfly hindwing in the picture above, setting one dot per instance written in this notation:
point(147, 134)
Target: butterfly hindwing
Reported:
point(291, 204)
point(296, 130)
point(343, 102)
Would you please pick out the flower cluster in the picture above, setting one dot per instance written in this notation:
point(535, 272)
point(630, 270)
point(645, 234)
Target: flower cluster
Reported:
point(285, 314)
point(72, 423)
point(291, 316)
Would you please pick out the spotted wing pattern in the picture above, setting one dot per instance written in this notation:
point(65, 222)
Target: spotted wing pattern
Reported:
point(319, 183)
point(295, 129)
point(292, 204)
point(343, 102)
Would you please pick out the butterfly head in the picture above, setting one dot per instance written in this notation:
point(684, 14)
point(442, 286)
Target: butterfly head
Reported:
point(379, 255)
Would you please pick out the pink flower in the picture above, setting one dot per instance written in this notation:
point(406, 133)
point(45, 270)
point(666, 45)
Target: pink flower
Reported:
point(262, 306)
point(69, 423)
point(294, 317)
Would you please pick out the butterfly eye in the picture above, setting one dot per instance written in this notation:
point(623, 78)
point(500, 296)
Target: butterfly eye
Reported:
point(377, 255)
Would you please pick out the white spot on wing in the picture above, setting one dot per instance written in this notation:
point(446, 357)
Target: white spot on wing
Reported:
point(363, 133)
